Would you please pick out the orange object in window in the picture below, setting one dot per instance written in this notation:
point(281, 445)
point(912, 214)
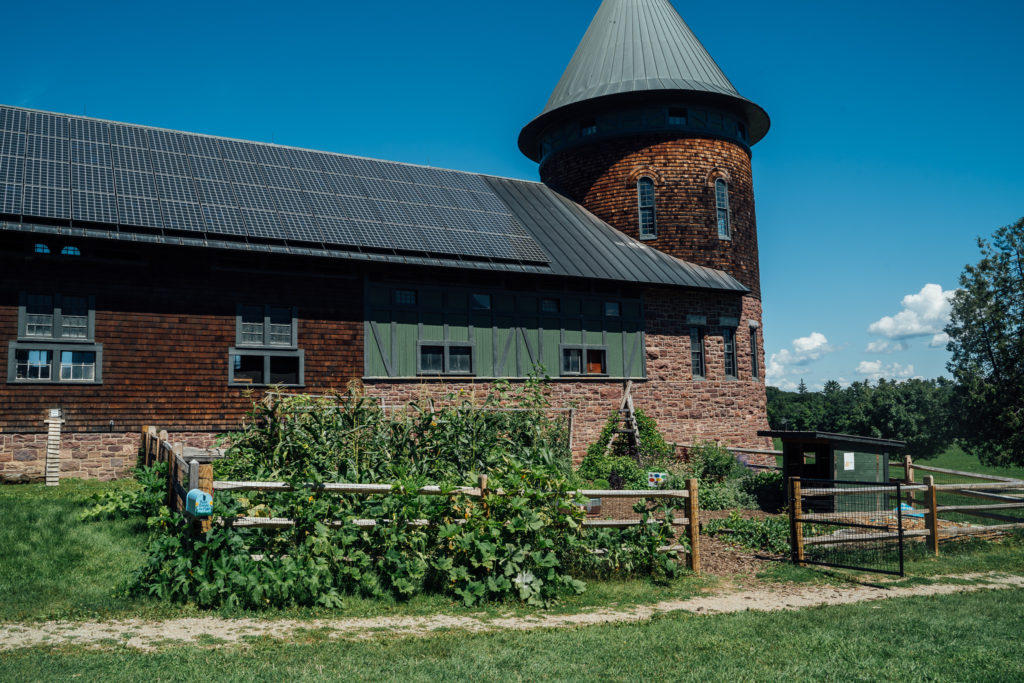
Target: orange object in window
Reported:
point(595, 362)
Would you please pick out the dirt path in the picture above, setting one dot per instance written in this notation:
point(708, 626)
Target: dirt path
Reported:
point(213, 631)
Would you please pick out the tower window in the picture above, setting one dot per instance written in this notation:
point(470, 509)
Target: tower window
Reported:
point(742, 129)
point(755, 368)
point(722, 206)
point(729, 351)
point(645, 199)
point(678, 116)
point(41, 249)
point(588, 127)
point(71, 251)
point(697, 352)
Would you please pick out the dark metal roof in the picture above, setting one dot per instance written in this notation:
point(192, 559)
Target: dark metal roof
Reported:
point(582, 245)
point(78, 176)
point(828, 436)
point(634, 48)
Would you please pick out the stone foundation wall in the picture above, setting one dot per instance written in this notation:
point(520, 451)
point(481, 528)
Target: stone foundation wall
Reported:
point(102, 456)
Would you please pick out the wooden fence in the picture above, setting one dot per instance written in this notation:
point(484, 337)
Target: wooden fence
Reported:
point(192, 469)
point(927, 499)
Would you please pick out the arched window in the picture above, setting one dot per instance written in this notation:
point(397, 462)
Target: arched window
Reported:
point(41, 248)
point(722, 205)
point(645, 200)
point(71, 251)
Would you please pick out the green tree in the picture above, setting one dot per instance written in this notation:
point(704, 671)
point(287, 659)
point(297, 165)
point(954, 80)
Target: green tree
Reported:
point(986, 338)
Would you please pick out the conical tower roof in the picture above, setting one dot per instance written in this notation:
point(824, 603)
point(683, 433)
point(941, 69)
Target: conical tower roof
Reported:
point(639, 50)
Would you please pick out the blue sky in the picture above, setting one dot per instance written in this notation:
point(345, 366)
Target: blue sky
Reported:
point(896, 127)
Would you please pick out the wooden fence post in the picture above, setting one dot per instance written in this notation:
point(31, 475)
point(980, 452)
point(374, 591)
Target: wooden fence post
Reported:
point(693, 514)
point(206, 485)
point(482, 483)
point(193, 475)
point(908, 477)
point(796, 529)
point(932, 520)
point(144, 446)
point(174, 476)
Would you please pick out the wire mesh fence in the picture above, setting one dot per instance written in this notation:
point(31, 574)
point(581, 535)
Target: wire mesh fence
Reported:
point(848, 524)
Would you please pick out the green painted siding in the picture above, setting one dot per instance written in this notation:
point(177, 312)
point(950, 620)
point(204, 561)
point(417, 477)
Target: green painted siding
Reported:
point(518, 332)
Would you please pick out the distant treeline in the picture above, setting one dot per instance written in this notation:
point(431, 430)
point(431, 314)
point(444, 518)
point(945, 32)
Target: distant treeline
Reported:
point(917, 411)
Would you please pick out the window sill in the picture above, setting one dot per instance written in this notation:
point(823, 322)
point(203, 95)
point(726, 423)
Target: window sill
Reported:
point(55, 340)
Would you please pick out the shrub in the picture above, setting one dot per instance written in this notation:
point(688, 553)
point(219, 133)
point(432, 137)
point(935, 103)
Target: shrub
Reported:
point(770, 534)
point(767, 488)
point(144, 501)
point(617, 465)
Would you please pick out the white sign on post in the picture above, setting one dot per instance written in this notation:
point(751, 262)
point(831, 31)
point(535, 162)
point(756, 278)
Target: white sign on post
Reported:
point(848, 461)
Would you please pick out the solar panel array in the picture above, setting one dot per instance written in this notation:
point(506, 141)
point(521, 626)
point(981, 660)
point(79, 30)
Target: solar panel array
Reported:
point(78, 169)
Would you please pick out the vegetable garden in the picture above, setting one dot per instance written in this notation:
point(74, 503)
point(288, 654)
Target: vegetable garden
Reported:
point(481, 504)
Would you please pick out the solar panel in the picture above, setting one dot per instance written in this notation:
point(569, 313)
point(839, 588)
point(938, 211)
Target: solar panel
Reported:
point(254, 197)
point(47, 201)
point(93, 206)
point(179, 181)
point(12, 143)
point(240, 172)
point(170, 163)
point(90, 131)
point(166, 141)
point(128, 136)
point(176, 188)
point(288, 200)
point(213, 192)
point(92, 179)
point(208, 168)
point(10, 198)
point(183, 216)
point(53, 174)
point(12, 119)
point(87, 152)
point(139, 211)
point(131, 158)
point(135, 183)
point(12, 169)
point(224, 220)
point(42, 123)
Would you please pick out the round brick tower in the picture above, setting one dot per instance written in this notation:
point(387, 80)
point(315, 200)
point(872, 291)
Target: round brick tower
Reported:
point(646, 132)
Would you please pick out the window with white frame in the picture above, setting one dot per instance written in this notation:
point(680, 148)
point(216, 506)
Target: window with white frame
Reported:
point(55, 340)
point(645, 201)
point(722, 208)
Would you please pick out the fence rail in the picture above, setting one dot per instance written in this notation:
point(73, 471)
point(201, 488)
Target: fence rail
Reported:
point(197, 470)
point(946, 498)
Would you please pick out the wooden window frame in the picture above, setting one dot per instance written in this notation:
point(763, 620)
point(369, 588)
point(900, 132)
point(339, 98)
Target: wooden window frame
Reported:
point(723, 208)
point(446, 362)
point(729, 338)
point(58, 322)
point(650, 231)
point(698, 358)
point(266, 354)
point(584, 349)
point(294, 345)
point(55, 349)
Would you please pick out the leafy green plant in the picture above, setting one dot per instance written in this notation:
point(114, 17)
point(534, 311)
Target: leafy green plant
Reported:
point(144, 501)
point(770, 534)
point(767, 489)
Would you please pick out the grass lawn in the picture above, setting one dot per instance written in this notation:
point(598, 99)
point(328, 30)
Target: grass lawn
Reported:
point(54, 566)
point(966, 637)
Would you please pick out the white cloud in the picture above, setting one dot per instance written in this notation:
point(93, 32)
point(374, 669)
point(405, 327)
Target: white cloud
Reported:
point(876, 369)
point(923, 314)
point(939, 340)
point(885, 346)
point(790, 361)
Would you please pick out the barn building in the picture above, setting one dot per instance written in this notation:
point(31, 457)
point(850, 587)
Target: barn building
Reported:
point(164, 278)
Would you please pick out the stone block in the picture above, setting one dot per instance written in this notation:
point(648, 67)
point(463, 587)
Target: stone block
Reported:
point(26, 455)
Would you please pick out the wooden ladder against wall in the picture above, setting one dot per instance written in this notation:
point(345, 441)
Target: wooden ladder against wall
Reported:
point(627, 426)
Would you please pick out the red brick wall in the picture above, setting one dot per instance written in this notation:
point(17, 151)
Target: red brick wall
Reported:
point(602, 177)
point(165, 329)
point(687, 410)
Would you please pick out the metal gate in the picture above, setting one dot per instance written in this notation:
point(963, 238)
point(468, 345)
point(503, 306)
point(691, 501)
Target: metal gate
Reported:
point(846, 524)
